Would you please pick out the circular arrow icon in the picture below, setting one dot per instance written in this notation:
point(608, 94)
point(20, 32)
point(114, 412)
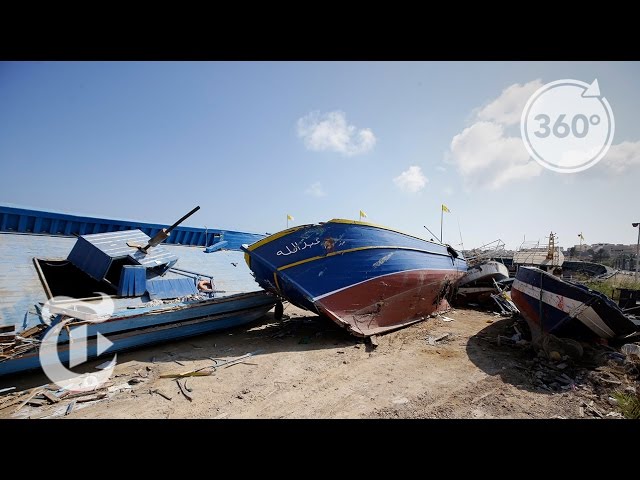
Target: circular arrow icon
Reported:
point(76, 351)
point(567, 126)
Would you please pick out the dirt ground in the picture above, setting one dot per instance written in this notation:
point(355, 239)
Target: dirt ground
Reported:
point(305, 366)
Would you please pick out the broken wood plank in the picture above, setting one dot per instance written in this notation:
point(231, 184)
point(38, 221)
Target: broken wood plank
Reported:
point(91, 398)
point(187, 396)
point(50, 396)
point(162, 394)
point(37, 402)
point(34, 392)
point(30, 332)
point(84, 394)
point(7, 328)
point(187, 374)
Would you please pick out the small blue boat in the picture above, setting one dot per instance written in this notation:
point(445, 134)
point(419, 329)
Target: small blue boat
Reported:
point(367, 278)
point(551, 305)
point(159, 292)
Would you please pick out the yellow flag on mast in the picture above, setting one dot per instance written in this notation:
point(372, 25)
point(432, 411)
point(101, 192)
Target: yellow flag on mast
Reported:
point(362, 214)
point(445, 208)
point(289, 217)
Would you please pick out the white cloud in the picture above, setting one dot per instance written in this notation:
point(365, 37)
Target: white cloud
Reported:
point(440, 168)
point(487, 158)
point(507, 108)
point(484, 154)
point(490, 153)
point(622, 157)
point(411, 180)
point(330, 131)
point(315, 190)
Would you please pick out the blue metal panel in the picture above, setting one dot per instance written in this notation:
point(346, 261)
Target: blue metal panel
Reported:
point(164, 288)
point(133, 281)
point(216, 246)
point(21, 220)
point(94, 253)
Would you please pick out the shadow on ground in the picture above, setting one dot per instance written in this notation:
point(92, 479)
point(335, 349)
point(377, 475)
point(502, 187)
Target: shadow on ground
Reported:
point(496, 351)
point(264, 336)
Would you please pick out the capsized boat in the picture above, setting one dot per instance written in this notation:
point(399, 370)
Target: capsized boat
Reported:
point(566, 309)
point(367, 278)
point(157, 293)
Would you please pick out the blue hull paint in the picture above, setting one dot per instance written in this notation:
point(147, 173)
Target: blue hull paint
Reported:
point(148, 317)
point(339, 255)
point(544, 317)
point(146, 336)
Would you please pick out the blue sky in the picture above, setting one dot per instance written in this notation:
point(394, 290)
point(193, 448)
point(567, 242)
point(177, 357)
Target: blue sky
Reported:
point(252, 141)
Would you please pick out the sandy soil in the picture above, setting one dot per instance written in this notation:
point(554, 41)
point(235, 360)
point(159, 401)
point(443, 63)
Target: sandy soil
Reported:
point(307, 367)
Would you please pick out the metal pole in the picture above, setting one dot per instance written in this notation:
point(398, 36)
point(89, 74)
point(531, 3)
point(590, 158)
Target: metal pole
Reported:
point(637, 251)
point(441, 215)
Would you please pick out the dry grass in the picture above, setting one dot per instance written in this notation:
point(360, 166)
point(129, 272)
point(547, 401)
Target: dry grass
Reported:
point(607, 286)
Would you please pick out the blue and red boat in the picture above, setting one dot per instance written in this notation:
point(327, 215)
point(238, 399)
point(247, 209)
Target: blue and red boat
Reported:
point(367, 278)
point(551, 305)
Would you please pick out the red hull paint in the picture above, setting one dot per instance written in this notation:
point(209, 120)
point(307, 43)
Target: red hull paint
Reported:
point(528, 312)
point(386, 303)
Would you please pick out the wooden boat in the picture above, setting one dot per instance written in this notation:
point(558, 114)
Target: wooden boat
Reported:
point(483, 274)
point(367, 278)
point(155, 292)
point(566, 309)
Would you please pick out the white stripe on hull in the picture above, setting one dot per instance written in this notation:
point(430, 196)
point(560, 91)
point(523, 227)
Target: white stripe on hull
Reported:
point(587, 316)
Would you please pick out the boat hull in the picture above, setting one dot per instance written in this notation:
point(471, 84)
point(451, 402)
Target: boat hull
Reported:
point(551, 305)
point(484, 273)
point(367, 279)
point(168, 326)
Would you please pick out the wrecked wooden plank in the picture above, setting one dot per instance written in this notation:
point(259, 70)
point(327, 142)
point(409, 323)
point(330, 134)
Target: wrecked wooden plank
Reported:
point(162, 394)
point(83, 394)
point(91, 398)
point(37, 402)
point(187, 396)
point(32, 331)
point(187, 374)
point(50, 396)
point(34, 392)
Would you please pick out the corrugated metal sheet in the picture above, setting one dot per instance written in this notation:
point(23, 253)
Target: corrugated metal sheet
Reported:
point(20, 286)
point(133, 281)
point(93, 254)
point(164, 288)
point(22, 220)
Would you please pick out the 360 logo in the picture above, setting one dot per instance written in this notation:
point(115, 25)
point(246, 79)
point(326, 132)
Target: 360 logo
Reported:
point(567, 125)
point(76, 351)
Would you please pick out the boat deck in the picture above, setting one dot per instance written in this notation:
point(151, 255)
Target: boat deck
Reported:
point(21, 287)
